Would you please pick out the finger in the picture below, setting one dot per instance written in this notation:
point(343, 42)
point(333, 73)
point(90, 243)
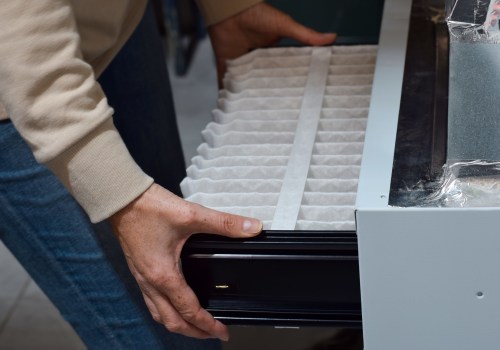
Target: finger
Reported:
point(225, 224)
point(174, 322)
point(306, 35)
point(288, 27)
point(185, 302)
point(152, 308)
point(155, 313)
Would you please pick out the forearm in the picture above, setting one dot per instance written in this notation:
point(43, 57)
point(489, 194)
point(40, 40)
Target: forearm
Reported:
point(53, 99)
point(100, 173)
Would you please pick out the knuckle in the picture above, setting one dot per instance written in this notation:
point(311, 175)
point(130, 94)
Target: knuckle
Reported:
point(161, 279)
point(154, 277)
point(228, 223)
point(170, 282)
point(191, 314)
point(188, 215)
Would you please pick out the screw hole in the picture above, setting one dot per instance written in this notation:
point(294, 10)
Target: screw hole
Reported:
point(480, 295)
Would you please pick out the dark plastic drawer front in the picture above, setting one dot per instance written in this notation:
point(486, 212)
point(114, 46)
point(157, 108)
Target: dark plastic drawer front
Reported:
point(279, 278)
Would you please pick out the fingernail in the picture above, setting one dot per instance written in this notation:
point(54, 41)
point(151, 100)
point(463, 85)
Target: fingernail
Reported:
point(224, 338)
point(251, 226)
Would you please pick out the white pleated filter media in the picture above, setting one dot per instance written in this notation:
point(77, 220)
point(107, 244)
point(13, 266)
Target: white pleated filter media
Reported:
point(286, 142)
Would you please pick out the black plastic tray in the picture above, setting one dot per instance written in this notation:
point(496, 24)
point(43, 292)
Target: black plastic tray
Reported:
point(279, 278)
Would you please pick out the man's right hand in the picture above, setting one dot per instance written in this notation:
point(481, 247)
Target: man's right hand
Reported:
point(152, 231)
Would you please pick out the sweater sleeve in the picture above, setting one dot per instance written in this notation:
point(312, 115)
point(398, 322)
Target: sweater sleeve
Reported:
point(54, 101)
point(215, 11)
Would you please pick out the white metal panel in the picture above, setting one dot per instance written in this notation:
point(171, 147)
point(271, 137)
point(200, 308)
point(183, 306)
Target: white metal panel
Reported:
point(375, 177)
point(430, 278)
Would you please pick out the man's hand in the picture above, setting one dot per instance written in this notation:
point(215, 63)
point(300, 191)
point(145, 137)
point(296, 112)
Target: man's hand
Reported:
point(152, 231)
point(258, 26)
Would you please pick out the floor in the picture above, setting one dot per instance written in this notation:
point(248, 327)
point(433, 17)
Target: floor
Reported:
point(28, 320)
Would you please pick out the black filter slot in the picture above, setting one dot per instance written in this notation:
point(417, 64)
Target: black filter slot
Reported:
point(279, 277)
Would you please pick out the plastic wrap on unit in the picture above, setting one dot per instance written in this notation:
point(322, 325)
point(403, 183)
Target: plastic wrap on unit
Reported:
point(473, 21)
point(467, 185)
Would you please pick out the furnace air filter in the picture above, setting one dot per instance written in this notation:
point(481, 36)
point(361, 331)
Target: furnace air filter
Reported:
point(286, 142)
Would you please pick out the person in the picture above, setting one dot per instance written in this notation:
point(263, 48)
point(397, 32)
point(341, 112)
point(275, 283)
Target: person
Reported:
point(68, 174)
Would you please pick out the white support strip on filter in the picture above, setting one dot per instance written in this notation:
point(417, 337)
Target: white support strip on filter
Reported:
point(290, 198)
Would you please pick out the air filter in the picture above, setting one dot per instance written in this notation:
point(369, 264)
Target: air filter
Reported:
point(286, 142)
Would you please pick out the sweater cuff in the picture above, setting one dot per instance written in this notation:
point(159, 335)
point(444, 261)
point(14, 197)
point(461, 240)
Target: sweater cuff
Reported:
point(215, 11)
point(100, 173)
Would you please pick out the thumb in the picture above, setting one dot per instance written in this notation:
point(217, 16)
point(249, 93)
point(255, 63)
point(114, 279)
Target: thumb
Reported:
point(288, 27)
point(225, 224)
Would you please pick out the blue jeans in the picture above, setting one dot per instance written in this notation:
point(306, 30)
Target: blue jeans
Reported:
point(80, 266)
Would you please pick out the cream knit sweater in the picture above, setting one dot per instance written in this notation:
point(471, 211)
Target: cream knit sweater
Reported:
point(51, 52)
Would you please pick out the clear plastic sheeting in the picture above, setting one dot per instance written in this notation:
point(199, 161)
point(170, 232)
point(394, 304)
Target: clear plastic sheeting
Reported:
point(467, 185)
point(242, 164)
point(474, 21)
